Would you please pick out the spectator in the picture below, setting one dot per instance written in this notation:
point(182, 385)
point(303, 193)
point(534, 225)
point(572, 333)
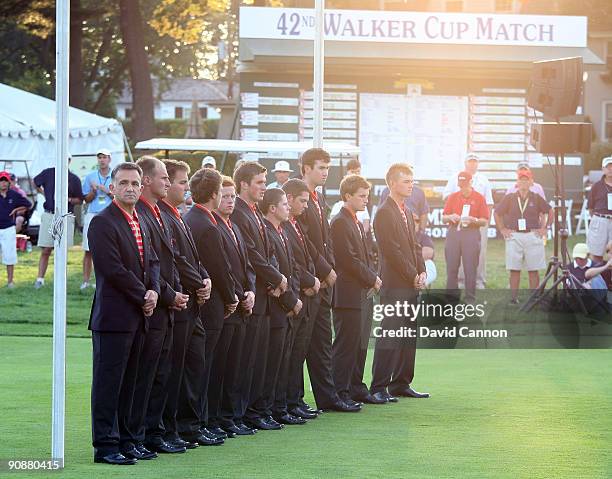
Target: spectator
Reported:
point(592, 284)
point(209, 162)
point(281, 171)
point(11, 204)
point(603, 271)
point(481, 184)
point(465, 212)
point(20, 217)
point(353, 167)
point(533, 186)
point(97, 196)
point(522, 218)
point(600, 202)
point(45, 184)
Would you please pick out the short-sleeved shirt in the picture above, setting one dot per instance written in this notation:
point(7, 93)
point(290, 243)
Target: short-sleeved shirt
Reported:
point(479, 182)
point(46, 180)
point(416, 202)
point(510, 210)
point(101, 200)
point(580, 272)
point(478, 206)
point(598, 199)
point(9, 203)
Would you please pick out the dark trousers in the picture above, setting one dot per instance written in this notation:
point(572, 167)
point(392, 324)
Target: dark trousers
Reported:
point(276, 347)
point(212, 338)
point(347, 326)
point(279, 407)
point(256, 407)
point(319, 356)
point(182, 335)
point(393, 364)
point(189, 413)
point(115, 366)
point(230, 408)
point(358, 388)
point(221, 363)
point(301, 333)
point(462, 247)
point(247, 361)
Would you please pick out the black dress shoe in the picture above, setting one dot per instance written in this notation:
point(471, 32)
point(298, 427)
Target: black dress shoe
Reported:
point(389, 397)
point(271, 422)
point(299, 412)
point(411, 393)
point(182, 443)
point(242, 430)
point(229, 433)
point(306, 407)
point(134, 453)
point(290, 420)
point(382, 397)
point(165, 448)
point(204, 440)
point(242, 425)
point(351, 402)
point(117, 459)
point(341, 406)
point(215, 432)
point(370, 399)
point(260, 423)
point(143, 450)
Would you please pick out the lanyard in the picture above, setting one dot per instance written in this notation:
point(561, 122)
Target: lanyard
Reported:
point(103, 183)
point(522, 206)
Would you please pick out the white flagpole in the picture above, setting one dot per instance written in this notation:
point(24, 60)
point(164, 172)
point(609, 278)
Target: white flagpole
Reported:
point(60, 224)
point(319, 74)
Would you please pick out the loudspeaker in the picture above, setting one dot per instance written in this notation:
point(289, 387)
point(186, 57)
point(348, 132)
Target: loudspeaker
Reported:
point(555, 87)
point(561, 138)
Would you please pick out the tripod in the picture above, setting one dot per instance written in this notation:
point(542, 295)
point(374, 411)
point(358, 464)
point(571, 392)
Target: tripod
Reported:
point(558, 266)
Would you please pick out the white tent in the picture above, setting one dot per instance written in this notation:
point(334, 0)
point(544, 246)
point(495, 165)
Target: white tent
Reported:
point(27, 131)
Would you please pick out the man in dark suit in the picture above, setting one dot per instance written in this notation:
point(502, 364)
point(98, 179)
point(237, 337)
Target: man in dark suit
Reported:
point(250, 180)
point(188, 336)
point(402, 271)
point(276, 210)
point(205, 186)
point(127, 274)
point(315, 168)
point(290, 390)
point(357, 282)
point(155, 364)
point(224, 394)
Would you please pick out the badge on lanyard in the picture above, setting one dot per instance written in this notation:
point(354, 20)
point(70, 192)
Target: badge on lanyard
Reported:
point(465, 212)
point(101, 200)
point(522, 222)
point(610, 201)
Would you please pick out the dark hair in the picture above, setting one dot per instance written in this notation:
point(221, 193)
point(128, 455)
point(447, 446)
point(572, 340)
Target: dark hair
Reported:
point(310, 157)
point(172, 166)
point(295, 187)
point(246, 172)
point(204, 184)
point(126, 166)
point(353, 164)
point(272, 197)
point(351, 183)
point(394, 171)
point(148, 164)
point(227, 181)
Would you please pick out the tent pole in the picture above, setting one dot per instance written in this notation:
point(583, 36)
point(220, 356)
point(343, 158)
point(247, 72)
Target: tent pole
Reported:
point(60, 226)
point(319, 74)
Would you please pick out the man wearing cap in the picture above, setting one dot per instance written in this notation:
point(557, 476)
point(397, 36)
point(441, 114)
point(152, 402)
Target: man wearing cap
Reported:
point(11, 204)
point(465, 212)
point(522, 218)
point(209, 162)
point(97, 195)
point(282, 171)
point(533, 186)
point(480, 183)
point(45, 184)
point(600, 202)
point(589, 274)
point(19, 217)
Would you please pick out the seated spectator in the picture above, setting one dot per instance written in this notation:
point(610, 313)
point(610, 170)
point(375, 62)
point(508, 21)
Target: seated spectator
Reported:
point(602, 272)
point(594, 288)
point(20, 217)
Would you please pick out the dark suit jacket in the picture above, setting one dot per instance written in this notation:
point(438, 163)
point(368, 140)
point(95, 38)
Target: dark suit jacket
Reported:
point(190, 270)
point(121, 281)
point(209, 244)
point(355, 273)
point(260, 254)
point(400, 254)
point(318, 233)
point(241, 269)
point(279, 307)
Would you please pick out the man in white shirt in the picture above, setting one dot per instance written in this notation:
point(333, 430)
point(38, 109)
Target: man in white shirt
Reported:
point(353, 167)
point(282, 171)
point(481, 184)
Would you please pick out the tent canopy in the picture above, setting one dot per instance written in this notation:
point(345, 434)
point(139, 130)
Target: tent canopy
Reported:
point(27, 131)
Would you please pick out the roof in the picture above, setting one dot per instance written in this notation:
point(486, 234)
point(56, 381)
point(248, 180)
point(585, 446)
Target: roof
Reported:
point(189, 89)
point(241, 146)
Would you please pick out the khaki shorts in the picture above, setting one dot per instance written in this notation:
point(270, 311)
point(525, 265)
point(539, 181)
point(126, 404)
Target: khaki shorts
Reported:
point(45, 240)
point(8, 245)
point(86, 220)
point(525, 251)
point(599, 234)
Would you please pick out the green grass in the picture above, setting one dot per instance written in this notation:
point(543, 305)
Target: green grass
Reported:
point(494, 413)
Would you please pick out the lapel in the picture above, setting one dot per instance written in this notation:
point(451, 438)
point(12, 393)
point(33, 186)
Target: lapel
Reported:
point(254, 223)
point(356, 230)
point(125, 229)
point(163, 232)
point(183, 226)
point(226, 232)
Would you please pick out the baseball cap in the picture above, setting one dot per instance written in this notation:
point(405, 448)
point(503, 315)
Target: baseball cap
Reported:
point(581, 250)
point(523, 165)
point(525, 174)
point(103, 151)
point(5, 175)
point(472, 157)
point(606, 161)
point(282, 166)
point(464, 177)
point(209, 160)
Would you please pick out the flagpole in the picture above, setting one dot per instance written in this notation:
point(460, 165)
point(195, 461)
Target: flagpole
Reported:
point(319, 74)
point(60, 225)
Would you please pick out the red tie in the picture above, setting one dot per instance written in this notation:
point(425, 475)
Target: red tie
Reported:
point(315, 198)
point(261, 228)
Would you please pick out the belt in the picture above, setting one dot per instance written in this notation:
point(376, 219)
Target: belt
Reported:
point(601, 215)
point(528, 230)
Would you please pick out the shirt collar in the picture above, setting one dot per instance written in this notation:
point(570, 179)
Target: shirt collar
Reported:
point(173, 209)
point(134, 215)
